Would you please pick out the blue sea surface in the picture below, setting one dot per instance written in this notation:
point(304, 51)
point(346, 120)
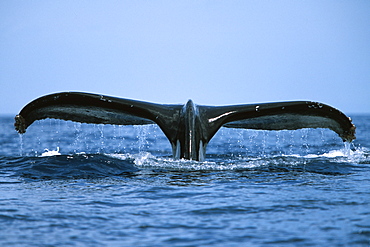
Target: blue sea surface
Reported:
point(71, 184)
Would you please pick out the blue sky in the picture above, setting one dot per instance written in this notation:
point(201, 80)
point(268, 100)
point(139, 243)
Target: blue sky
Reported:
point(214, 52)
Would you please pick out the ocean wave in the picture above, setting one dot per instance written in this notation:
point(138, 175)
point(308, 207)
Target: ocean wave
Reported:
point(81, 165)
point(68, 167)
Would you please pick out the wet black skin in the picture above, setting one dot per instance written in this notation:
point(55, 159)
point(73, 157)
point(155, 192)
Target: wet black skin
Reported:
point(189, 127)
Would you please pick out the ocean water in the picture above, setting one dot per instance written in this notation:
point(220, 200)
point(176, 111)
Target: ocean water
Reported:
point(72, 184)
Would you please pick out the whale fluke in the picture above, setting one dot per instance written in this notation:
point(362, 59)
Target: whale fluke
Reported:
point(189, 127)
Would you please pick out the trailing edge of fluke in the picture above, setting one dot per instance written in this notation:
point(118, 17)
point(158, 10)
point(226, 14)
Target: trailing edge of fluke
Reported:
point(189, 127)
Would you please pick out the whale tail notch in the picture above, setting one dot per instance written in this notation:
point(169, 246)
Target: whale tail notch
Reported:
point(188, 127)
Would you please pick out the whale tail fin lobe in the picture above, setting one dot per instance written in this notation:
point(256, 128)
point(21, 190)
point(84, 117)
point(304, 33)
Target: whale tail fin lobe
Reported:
point(282, 116)
point(98, 109)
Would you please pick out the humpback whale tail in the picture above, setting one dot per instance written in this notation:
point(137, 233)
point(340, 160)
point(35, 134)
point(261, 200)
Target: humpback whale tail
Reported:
point(189, 127)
